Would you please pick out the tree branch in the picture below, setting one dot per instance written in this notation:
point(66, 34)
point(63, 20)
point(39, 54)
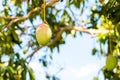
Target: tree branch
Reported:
point(8, 17)
point(16, 19)
point(67, 28)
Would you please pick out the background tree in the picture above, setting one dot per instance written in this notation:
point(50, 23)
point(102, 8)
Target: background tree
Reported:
point(17, 22)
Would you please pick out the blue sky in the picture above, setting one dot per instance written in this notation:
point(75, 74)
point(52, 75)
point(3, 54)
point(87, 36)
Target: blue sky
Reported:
point(75, 58)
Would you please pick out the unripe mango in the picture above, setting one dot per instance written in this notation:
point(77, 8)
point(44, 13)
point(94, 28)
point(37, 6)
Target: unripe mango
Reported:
point(43, 34)
point(111, 62)
point(95, 78)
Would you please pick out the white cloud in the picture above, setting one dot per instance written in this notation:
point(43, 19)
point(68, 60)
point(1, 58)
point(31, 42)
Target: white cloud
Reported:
point(87, 70)
point(69, 72)
point(81, 72)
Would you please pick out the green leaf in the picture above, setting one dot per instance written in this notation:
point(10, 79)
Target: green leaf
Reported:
point(24, 72)
point(118, 28)
point(55, 78)
point(1, 78)
point(2, 68)
point(44, 63)
point(15, 37)
point(10, 71)
point(31, 74)
point(95, 78)
point(94, 51)
point(118, 1)
point(77, 4)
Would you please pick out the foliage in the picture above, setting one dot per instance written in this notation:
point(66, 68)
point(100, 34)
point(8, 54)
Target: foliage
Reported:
point(17, 32)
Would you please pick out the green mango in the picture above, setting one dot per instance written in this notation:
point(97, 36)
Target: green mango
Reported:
point(43, 34)
point(111, 62)
point(95, 78)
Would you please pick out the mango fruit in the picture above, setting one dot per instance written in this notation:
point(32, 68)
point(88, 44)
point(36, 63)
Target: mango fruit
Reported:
point(111, 62)
point(43, 34)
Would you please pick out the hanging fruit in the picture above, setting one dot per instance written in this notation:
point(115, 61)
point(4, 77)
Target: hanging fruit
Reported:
point(43, 34)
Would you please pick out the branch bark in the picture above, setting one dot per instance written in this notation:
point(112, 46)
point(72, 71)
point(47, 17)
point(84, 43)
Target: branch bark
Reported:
point(8, 17)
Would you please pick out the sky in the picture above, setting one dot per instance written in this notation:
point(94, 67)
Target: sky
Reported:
point(75, 58)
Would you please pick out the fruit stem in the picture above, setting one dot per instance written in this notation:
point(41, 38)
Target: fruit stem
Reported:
point(44, 10)
point(110, 44)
